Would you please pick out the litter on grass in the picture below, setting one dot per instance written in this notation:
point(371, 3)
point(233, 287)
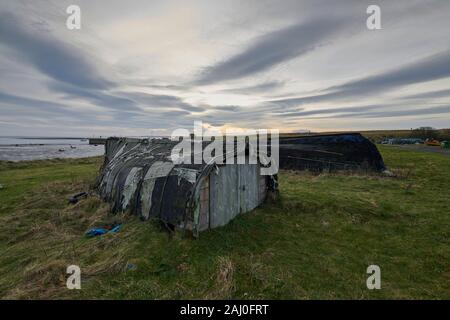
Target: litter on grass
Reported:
point(104, 230)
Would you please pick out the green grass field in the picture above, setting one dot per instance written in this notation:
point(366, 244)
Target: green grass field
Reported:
point(315, 243)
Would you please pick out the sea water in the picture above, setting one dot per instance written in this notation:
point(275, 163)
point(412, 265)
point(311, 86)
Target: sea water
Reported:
point(24, 148)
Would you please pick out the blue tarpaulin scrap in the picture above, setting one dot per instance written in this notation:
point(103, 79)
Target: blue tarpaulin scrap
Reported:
point(101, 231)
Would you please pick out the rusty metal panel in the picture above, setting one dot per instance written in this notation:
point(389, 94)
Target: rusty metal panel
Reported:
point(224, 195)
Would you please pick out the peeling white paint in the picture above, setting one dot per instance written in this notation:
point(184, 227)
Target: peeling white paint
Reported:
point(118, 153)
point(130, 186)
point(187, 174)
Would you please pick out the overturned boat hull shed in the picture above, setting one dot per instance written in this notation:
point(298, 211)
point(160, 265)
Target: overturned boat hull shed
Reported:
point(348, 151)
point(139, 176)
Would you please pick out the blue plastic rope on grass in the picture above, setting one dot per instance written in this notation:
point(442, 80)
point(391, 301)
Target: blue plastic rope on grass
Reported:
point(101, 231)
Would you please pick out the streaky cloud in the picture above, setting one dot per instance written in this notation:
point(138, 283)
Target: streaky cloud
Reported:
point(53, 57)
point(330, 111)
point(369, 111)
point(433, 67)
point(161, 101)
point(429, 95)
point(37, 106)
point(272, 49)
point(97, 97)
point(410, 112)
point(259, 88)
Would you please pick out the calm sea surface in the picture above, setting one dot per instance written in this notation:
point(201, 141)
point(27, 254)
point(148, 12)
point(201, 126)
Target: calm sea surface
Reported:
point(17, 149)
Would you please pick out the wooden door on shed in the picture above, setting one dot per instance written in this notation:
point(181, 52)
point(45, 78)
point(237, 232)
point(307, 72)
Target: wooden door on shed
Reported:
point(234, 189)
point(248, 187)
point(224, 195)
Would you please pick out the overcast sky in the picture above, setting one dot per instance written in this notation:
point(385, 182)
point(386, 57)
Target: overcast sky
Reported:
point(148, 67)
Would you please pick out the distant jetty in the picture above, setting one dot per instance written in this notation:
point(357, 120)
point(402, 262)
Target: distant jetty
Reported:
point(97, 141)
